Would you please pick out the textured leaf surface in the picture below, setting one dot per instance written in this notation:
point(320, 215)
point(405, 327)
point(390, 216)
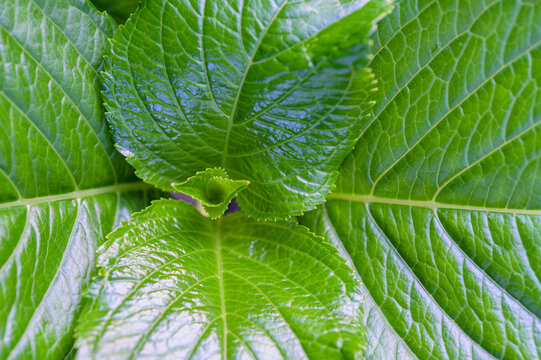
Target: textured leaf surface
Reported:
point(63, 185)
point(439, 206)
point(274, 92)
point(213, 188)
point(174, 284)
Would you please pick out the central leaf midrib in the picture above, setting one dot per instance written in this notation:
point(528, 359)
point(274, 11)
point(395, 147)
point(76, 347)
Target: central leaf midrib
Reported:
point(122, 187)
point(234, 109)
point(220, 275)
point(428, 204)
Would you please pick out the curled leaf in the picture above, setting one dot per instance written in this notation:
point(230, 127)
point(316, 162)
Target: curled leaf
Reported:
point(213, 189)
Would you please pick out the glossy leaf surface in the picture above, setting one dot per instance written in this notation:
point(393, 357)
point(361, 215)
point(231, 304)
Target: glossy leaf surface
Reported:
point(64, 187)
point(273, 92)
point(439, 206)
point(174, 284)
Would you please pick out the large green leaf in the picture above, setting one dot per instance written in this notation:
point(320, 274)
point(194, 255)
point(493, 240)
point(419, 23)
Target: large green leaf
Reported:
point(272, 92)
point(63, 186)
point(439, 207)
point(174, 284)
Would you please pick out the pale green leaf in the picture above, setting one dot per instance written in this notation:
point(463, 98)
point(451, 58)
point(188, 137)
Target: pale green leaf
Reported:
point(273, 92)
point(439, 206)
point(64, 187)
point(174, 284)
point(213, 188)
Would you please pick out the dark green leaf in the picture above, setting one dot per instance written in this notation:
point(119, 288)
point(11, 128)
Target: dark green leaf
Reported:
point(179, 285)
point(273, 92)
point(64, 187)
point(118, 9)
point(439, 206)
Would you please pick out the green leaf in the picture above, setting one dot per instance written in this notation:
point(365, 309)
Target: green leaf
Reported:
point(120, 10)
point(64, 187)
point(273, 92)
point(174, 283)
point(213, 188)
point(439, 206)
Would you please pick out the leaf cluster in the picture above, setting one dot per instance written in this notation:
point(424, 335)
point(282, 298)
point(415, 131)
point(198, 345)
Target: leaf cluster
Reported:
point(386, 159)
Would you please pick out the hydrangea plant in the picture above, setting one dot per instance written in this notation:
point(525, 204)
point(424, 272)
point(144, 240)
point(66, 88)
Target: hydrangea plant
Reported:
point(386, 158)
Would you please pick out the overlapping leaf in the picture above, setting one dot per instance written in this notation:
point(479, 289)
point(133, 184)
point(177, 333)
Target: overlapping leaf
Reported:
point(175, 284)
point(63, 185)
point(439, 206)
point(273, 92)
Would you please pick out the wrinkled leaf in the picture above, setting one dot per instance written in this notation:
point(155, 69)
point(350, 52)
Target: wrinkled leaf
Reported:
point(213, 188)
point(64, 187)
point(273, 92)
point(179, 285)
point(439, 207)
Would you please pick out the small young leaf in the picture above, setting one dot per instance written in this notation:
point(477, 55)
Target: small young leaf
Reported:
point(213, 189)
point(274, 92)
point(179, 285)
